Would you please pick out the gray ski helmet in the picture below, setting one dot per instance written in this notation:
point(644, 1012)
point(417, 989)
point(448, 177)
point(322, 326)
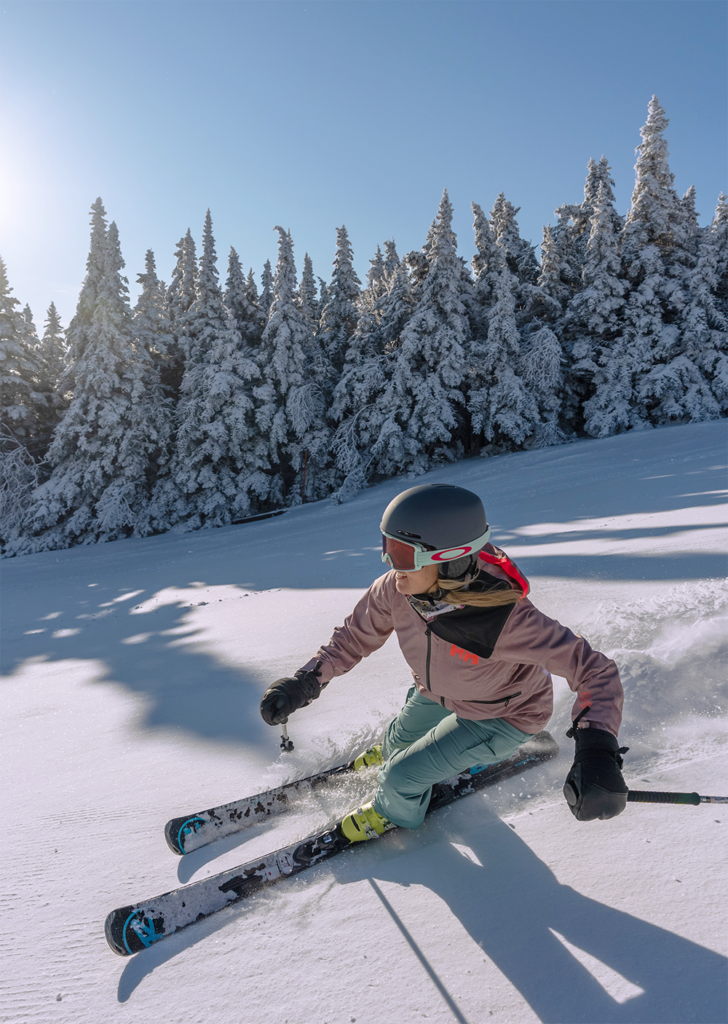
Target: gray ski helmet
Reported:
point(440, 516)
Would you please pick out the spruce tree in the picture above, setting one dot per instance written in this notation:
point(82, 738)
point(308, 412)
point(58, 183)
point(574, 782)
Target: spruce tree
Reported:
point(290, 409)
point(241, 300)
point(658, 251)
point(519, 254)
point(593, 326)
point(24, 407)
point(219, 463)
point(180, 296)
point(391, 259)
point(500, 405)
point(358, 406)
point(340, 315)
point(53, 349)
point(422, 403)
point(115, 424)
point(266, 295)
point(307, 294)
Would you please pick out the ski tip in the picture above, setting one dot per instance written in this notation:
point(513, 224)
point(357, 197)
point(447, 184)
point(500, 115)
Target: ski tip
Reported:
point(129, 930)
point(172, 833)
point(114, 931)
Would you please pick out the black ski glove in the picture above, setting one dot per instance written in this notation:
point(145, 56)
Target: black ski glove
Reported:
point(285, 696)
point(594, 787)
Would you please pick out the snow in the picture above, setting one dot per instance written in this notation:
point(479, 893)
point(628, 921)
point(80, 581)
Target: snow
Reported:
point(133, 671)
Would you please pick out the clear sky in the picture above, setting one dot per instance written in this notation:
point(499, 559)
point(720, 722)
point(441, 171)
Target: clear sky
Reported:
point(317, 114)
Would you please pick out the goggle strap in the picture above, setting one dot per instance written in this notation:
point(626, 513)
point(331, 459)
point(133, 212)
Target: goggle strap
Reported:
point(504, 562)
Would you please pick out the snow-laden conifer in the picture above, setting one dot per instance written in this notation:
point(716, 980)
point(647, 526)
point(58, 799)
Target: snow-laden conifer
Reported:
point(340, 314)
point(290, 408)
point(219, 463)
point(692, 385)
point(180, 296)
point(391, 259)
point(266, 293)
point(376, 275)
point(53, 349)
point(358, 405)
point(151, 321)
point(422, 403)
point(114, 426)
point(189, 492)
point(593, 325)
point(658, 250)
point(307, 293)
point(501, 407)
point(520, 255)
point(24, 405)
point(241, 301)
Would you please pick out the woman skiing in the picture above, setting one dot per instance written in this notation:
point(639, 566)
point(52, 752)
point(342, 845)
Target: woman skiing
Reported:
point(481, 656)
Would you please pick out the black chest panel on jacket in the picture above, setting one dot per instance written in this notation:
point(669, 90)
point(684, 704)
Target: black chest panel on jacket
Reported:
point(474, 629)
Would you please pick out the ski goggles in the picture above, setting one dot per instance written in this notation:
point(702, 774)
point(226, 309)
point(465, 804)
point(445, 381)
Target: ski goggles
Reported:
point(409, 555)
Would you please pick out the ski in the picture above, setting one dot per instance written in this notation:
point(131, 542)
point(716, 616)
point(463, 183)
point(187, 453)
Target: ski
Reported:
point(135, 927)
point(191, 831)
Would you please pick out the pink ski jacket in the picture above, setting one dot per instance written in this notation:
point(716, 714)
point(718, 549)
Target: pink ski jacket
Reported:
point(513, 682)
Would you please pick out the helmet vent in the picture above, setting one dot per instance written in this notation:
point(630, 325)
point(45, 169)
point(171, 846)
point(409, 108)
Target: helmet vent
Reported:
point(404, 533)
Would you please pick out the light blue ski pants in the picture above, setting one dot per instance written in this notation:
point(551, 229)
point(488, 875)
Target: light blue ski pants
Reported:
point(425, 744)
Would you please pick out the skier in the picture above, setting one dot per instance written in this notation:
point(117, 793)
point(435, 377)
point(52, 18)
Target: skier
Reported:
point(481, 655)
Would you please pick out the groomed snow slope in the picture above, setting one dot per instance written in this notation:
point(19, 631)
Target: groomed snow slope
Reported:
point(133, 675)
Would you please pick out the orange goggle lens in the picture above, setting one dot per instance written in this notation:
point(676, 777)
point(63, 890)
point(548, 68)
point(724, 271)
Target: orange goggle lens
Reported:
point(398, 553)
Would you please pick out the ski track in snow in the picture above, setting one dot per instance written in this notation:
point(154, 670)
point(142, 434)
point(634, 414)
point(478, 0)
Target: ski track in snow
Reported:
point(132, 676)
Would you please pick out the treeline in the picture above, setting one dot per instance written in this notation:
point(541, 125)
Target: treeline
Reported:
point(206, 404)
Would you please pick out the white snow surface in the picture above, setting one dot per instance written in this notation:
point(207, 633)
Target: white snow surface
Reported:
point(133, 672)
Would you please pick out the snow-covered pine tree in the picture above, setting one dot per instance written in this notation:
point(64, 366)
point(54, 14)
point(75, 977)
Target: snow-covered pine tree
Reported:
point(705, 325)
point(115, 425)
point(53, 349)
point(307, 295)
point(391, 259)
point(358, 402)
point(180, 296)
point(500, 404)
point(241, 301)
point(290, 407)
point(659, 249)
point(189, 491)
point(151, 321)
point(219, 463)
point(376, 276)
point(658, 252)
point(593, 329)
point(340, 314)
point(520, 255)
point(421, 407)
point(266, 294)
point(254, 298)
point(23, 405)
point(563, 250)
point(31, 331)
point(693, 384)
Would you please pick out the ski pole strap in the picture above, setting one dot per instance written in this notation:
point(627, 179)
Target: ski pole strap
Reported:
point(501, 559)
point(640, 796)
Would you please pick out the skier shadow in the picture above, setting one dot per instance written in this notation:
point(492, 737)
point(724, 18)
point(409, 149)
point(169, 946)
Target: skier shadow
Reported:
point(512, 904)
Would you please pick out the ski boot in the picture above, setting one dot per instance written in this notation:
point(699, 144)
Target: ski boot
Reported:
point(369, 758)
point(364, 823)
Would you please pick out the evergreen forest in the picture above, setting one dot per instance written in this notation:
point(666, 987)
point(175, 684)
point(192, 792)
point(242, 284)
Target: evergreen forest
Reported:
point(209, 402)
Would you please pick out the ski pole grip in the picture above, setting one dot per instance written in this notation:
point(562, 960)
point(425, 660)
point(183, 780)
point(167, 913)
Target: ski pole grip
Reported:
point(640, 796)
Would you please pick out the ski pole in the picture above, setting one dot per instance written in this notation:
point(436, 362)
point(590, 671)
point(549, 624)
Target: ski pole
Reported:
point(640, 796)
point(286, 743)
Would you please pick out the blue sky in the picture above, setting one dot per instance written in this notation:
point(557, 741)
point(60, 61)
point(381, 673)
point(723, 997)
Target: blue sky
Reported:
point(311, 115)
